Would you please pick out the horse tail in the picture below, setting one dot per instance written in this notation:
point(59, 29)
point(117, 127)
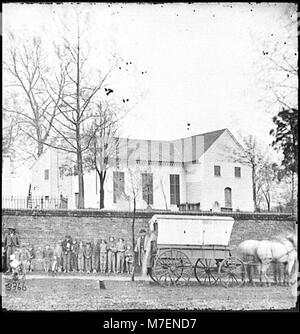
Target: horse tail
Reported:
point(257, 256)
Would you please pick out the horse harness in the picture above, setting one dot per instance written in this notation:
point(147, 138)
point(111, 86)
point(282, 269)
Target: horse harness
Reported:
point(288, 251)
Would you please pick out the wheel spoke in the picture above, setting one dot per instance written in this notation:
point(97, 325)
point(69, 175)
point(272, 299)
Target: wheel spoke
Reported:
point(204, 269)
point(213, 277)
point(171, 266)
point(235, 278)
point(231, 272)
point(202, 264)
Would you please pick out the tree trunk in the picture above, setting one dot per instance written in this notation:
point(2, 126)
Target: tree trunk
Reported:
point(269, 205)
point(102, 179)
point(80, 180)
point(297, 201)
point(267, 196)
point(40, 144)
point(78, 122)
point(40, 149)
point(293, 189)
point(133, 237)
point(254, 189)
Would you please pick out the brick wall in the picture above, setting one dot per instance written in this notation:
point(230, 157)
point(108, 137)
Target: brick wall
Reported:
point(42, 230)
point(47, 227)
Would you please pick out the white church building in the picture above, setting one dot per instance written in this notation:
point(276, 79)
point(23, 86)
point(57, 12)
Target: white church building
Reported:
point(197, 172)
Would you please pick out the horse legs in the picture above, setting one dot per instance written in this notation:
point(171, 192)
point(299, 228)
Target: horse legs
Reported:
point(249, 273)
point(260, 273)
point(277, 273)
point(264, 268)
point(285, 269)
point(289, 266)
point(295, 271)
point(251, 270)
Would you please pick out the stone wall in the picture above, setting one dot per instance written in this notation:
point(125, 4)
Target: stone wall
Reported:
point(49, 226)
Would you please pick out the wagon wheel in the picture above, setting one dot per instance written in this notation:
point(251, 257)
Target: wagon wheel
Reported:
point(206, 271)
point(172, 267)
point(232, 272)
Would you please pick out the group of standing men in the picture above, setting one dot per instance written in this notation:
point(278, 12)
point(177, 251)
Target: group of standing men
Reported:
point(71, 255)
point(97, 256)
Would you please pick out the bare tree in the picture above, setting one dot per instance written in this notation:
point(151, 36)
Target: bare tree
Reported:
point(278, 69)
point(10, 130)
point(100, 155)
point(252, 156)
point(81, 89)
point(62, 91)
point(267, 180)
point(28, 76)
point(134, 189)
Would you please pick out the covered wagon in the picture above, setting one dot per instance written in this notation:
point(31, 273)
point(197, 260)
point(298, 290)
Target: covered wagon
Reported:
point(184, 246)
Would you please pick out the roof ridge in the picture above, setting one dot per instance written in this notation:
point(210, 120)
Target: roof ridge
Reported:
point(205, 133)
point(172, 140)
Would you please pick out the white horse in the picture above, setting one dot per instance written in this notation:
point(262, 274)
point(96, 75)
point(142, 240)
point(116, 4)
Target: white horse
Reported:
point(282, 251)
point(246, 251)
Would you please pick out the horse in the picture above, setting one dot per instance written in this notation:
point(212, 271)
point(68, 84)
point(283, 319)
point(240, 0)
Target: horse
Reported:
point(281, 251)
point(246, 251)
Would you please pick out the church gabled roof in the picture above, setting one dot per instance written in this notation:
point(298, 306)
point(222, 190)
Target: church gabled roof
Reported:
point(211, 137)
point(179, 150)
point(182, 150)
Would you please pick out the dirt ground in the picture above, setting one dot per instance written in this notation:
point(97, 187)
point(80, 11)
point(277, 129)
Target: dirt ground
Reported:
point(81, 295)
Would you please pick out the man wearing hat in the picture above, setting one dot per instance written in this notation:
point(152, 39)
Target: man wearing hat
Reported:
point(140, 247)
point(11, 242)
point(67, 250)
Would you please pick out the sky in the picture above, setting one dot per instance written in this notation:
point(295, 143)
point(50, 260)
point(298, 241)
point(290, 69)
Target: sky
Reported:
point(200, 61)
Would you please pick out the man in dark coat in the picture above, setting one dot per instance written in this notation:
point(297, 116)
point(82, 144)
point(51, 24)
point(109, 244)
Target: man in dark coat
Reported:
point(67, 246)
point(140, 246)
point(74, 256)
point(11, 242)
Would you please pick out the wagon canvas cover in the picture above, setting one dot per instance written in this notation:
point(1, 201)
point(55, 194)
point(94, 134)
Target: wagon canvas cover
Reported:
point(193, 230)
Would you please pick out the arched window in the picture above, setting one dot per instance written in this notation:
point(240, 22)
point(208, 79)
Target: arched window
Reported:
point(228, 198)
point(216, 205)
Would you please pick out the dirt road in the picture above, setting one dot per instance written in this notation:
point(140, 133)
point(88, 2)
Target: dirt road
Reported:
point(78, 295)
